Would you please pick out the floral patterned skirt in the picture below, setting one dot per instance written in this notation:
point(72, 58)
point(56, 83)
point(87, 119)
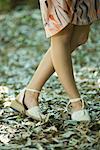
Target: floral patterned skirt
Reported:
point(57, 14)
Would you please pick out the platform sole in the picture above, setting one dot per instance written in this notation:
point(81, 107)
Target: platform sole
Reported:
point(17, 106)
point(32, 113)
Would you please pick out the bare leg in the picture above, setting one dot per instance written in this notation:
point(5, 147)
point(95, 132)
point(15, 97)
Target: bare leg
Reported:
point(61, 57)
point(43, 73)
point(80, 36)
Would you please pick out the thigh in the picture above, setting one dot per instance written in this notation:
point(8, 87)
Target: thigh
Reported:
point(80, 35)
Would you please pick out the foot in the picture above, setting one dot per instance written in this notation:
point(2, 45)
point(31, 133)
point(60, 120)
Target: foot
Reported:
point(31, 99)
point(28, 98)
point(78, 111)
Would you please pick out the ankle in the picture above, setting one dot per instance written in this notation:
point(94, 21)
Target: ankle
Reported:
point(34, 95)
point(76, 105)
point(31, 99)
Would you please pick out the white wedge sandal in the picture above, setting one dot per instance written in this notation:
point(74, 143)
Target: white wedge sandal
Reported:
point(79, 115)
point(33, 112)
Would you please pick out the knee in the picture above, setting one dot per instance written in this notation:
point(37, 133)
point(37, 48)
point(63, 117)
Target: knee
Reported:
point(65, 45)
point(60, 43)
point(80, 41)
point(83, 39)
point(63, 38)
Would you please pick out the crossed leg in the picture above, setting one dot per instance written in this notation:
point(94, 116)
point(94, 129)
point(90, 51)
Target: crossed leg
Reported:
point(61, 58)
point(78, 36)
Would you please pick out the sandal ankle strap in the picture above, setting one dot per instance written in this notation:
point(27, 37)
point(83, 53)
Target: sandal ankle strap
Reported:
point(75, 100)
point(32, 90)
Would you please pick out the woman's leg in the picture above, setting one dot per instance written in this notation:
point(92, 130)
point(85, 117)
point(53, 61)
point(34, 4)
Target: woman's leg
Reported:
point(43, 73)
point(80, 36)
point(61, 58)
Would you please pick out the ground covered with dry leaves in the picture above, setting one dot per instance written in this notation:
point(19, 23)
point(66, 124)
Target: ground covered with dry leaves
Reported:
point(22, 46)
